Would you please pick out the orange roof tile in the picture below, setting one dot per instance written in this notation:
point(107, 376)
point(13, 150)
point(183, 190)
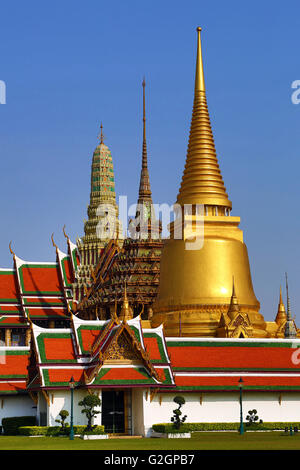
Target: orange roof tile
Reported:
point(40, 278)
point(13, 363)
point(19, 386)
point(152, 348)
point(59, 348)
point(210, 382)
point(8, 286)
point(222, 357)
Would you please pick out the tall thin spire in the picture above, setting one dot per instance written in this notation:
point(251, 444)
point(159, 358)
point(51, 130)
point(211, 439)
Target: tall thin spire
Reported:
point(202, 181)
point(290, 330)
point(144, 190)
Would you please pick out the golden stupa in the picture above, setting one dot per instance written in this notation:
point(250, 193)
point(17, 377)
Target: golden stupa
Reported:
point(195, 289)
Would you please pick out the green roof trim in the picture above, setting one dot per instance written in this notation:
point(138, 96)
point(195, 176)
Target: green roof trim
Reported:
point(40, 302)
point(147, 380)
point(10, 352)
point(65, 277)
point(160, 345)
point(168, 377)
point(136, 332)
point(57, 384)
point(99, 328)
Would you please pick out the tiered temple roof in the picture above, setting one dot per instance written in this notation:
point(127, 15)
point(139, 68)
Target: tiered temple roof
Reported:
point(116, 354)
point(37, 291)
point(99, 354)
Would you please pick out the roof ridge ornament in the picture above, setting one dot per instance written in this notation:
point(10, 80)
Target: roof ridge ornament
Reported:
point(64, 232)
point(53, 242)
point(10, 249)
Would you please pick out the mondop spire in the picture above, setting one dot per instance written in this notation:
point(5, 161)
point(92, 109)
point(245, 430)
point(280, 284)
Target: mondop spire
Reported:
point(202, 181)
point(145, 224)
point(145, 190)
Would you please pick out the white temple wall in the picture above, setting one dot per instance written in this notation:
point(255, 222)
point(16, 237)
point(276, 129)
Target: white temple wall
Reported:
point(222, 407)
point(11, 406)
point(61, 400)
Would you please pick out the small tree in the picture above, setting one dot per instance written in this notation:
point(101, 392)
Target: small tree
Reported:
point(176, 419)
point(63, 414)
point(253, 418)
point(90, 402)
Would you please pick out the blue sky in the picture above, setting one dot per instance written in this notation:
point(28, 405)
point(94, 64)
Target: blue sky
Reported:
point(70, 65)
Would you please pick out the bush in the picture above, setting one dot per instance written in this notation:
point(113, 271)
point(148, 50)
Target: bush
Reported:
point(11, 425)
point(57, 430)
point(33, 430)
point(176, 419)
point(193, 427)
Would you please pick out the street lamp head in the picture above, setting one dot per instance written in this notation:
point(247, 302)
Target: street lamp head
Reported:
point(241, 382)
point(72, 382)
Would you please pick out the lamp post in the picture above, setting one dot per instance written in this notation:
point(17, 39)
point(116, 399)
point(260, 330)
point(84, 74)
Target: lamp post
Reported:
point(72, 385)
point(241, 406)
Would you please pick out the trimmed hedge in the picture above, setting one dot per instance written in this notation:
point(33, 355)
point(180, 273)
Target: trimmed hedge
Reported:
point(57, 430)
point(10, 425)
point(193, 427)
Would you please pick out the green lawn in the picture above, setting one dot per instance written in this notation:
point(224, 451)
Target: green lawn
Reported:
point(199, 441)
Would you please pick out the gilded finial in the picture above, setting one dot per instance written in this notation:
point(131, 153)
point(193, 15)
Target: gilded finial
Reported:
point(126, 311)
point(199, 79)
point(101, 135)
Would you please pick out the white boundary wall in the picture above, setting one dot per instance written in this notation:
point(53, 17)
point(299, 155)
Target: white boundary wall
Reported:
point(61, 400)
point(222, 407)
point(18, 405)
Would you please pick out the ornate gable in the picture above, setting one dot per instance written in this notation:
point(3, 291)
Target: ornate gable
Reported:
point(122, 350)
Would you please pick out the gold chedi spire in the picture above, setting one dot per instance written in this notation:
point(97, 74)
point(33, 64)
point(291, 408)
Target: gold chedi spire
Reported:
point(126, 311)
point(195, 287)
point(202, 181)
point(234, 305)
point(281, 313)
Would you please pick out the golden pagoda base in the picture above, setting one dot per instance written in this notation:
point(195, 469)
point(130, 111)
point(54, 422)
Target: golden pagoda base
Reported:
point(203, 321)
